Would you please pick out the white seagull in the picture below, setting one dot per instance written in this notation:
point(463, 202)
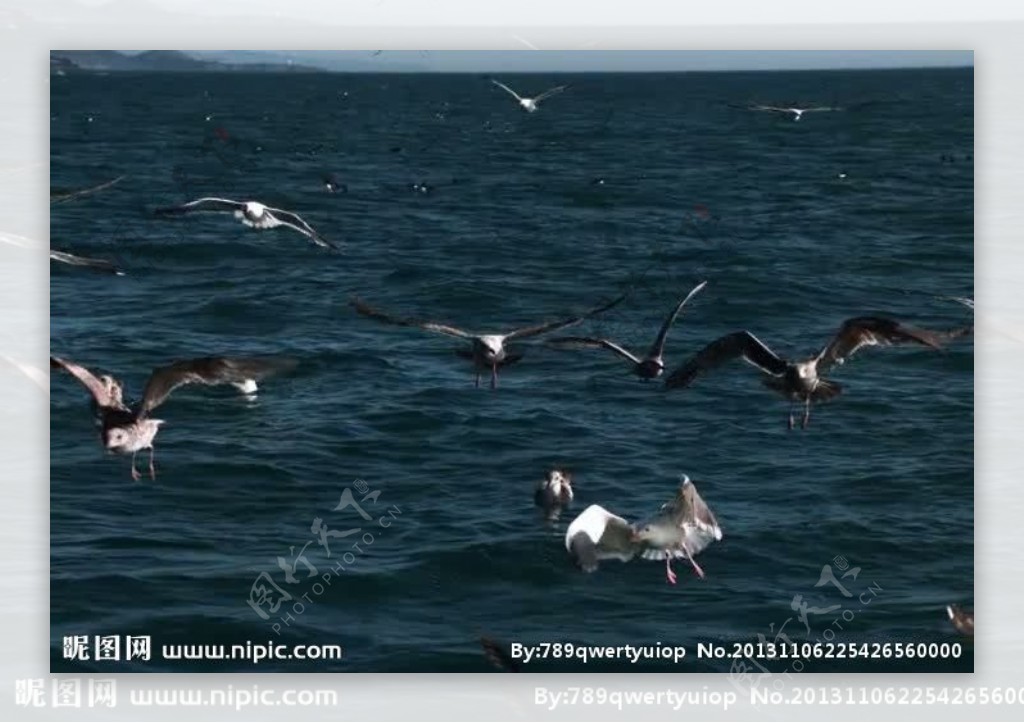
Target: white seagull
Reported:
point(796, 112)
point(683, 527)
point(488, 351)
point(530, 104)
point(252, 213)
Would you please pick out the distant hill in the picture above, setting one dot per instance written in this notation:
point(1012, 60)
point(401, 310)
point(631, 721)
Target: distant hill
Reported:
point(158, 60)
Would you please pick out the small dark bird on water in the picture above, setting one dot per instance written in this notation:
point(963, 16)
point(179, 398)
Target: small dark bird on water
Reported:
point(130, 430)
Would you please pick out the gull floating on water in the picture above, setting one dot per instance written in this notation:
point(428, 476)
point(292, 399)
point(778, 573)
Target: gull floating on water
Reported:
point(682, 528)
point(553, 493)
point(126, 429)
point(797, 113)
point(96, 264)
point(801, 381)
point(530, 104)
point(252, 213)
point(488, 351)
point(650, 366)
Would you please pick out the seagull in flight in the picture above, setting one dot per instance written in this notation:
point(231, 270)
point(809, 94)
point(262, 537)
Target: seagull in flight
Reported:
point(131, 430)
point(802, 381)
point(530, 104)
point(797, 113)
point(683, 527)
point(487, 351)
point(96, 264)
point(650, 366)
point(252, 213)
point(62, 195)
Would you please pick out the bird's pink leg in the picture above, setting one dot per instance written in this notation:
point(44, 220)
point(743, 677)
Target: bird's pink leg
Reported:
point(494, 376)
point(671, 576)
point(807, 414)
point(135, 473)
point(696, 567)
point(152, 467)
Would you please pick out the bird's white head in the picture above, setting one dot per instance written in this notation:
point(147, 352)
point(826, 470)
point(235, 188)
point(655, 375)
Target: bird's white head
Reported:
point(493, 344)
point(254, 208)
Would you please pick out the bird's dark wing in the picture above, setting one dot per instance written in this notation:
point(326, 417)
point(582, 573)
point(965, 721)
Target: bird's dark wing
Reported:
point(499, 657)
point(58, 197)
point(368, 311)
point(554, 325)
point(586, 342)
point(96, 388)
point(658, 347)
point(741, 344)
point(208, 204)
point(864, 331)
point(209, 371)
point(73, 260)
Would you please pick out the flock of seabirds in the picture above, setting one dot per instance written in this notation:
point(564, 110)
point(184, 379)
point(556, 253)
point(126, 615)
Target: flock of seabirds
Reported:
point(683, 526)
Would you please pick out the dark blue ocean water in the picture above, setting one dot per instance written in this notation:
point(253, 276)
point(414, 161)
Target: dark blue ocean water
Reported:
point(796, 226)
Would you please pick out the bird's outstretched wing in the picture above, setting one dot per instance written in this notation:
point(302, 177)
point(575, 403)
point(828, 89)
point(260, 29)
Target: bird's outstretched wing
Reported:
point(208, 371)
point(101, 394)
point(862, 331)
point(740, 344)
point(693, 515)
point(294, 221)
point(368, 311)
point(658, 347)
point(506, 88)
point(499, 657)
point(586, 342)
point(59, 197)
point(73, 260)
point(553, 325)
point(207, 204)
point(770, 108)
point(597, 534)
point(550, 92)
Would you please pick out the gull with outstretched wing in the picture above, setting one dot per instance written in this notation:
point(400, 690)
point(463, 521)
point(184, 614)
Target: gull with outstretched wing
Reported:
point(487, 351)
point(650, 366)
point(530, 104)
point(802, 381)
point(251, 213)
point(130, 430)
